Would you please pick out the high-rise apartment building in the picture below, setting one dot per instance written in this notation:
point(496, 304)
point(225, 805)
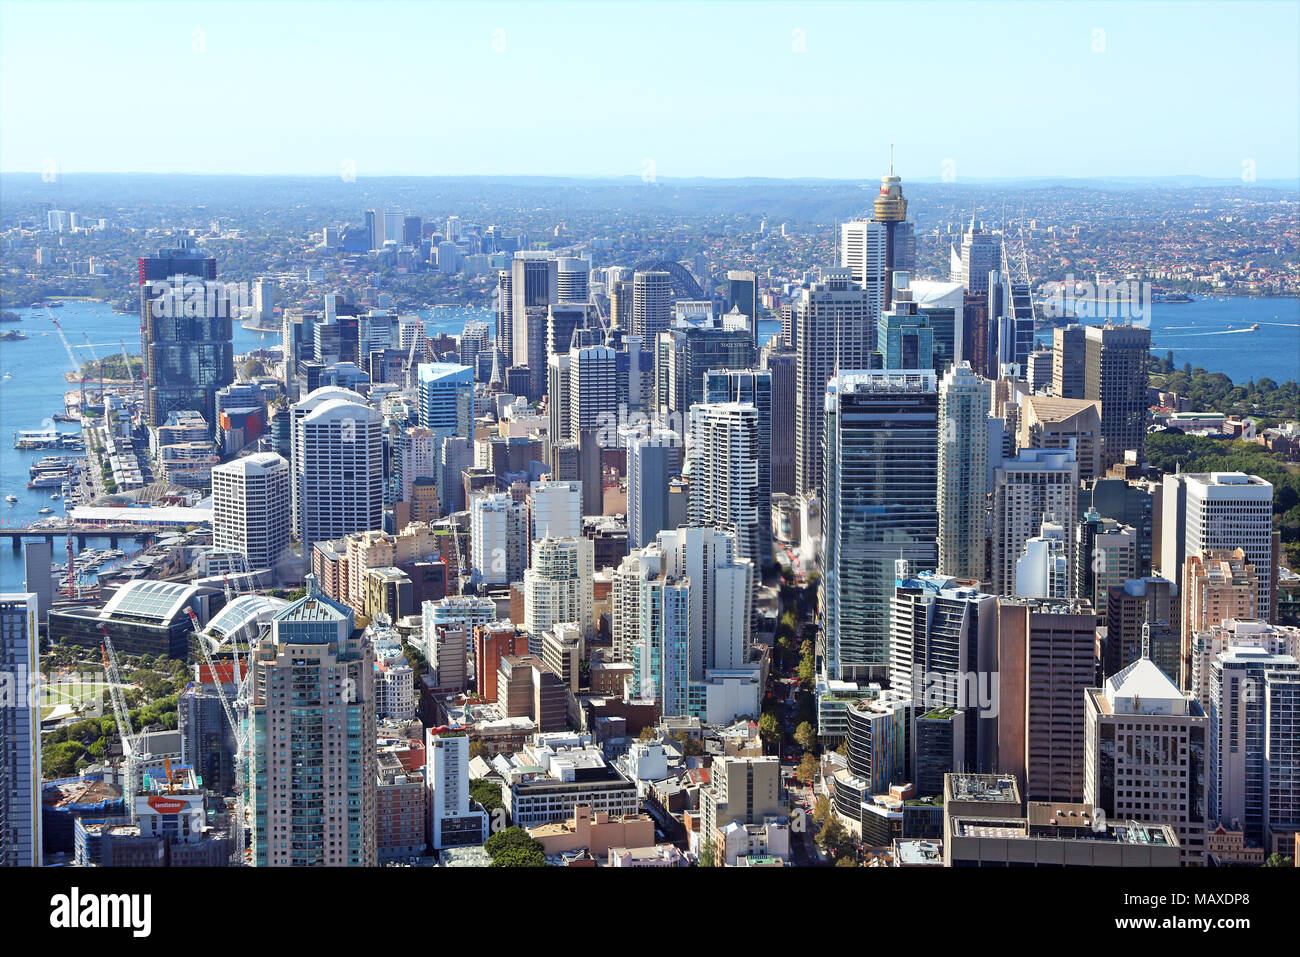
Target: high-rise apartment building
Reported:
point(836, 322)
point(1218, 584)
point(454, 821)
point(558, 588)
point(338, 466)
point(554, 510)
point(1036, 486)
point(498, 539)
point(724, 453)
point(1255, 744)
point(252, 509)
point(313, 774)
point(1220, 510)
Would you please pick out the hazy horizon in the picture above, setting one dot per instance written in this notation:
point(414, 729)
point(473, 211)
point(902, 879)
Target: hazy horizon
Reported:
point(669, 91)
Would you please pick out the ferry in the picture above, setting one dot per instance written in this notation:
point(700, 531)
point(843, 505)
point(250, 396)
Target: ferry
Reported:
point(1254, 327)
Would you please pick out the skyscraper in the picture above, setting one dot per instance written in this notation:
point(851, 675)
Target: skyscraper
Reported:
point(592, 397)
point(558, 588)
point(534, 286)
point(1115, 374)
point(1036, 485)
point(554, 510)
point(1046, 659)
point(1145, 754)
point(338, 466)
point(879, 506)
point(1068, 361)
point(20, 732)
point(724, 453)
point(185, 327)
point(755, 386)
point(312, 786)
point(1220, 510)
point(252, 509)
point(652, 457)
point(963, 472)
point(981, 253)
point(782, 366)
point(836, 322)
point(652, 303)
point(742, 294)
point(1255, 744)
point(572, 280)
point(498, 539)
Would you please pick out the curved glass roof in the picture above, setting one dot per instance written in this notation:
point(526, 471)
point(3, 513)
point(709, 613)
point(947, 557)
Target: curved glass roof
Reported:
point(158, 601)
point(238, 621)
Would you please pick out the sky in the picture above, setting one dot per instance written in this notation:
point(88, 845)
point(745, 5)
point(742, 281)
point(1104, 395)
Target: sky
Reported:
point(668, 89)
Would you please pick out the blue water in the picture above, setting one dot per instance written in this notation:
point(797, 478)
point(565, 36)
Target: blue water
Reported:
point(1214, 333)
point(35, 392)
point(1210, 332)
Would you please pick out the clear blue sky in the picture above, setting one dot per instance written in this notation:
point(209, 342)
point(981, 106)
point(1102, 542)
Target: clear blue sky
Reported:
point(701, 89)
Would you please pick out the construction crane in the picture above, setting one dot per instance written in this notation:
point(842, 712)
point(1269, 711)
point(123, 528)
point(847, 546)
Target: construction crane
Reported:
point(239, 677)
point(130, 751)
point(127, 359)
point(98, 363)
point(72, 357)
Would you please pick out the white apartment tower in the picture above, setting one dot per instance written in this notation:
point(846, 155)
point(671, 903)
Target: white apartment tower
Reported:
point(722, 452)
point(252, 508)
point(1036, 486)
point(558, 588)
point(338, 466)
point(836, 332)
point(1226, 510)
point(498, 539)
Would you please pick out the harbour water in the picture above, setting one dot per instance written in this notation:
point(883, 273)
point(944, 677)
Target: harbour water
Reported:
point(32, 388)
point(1212, 332)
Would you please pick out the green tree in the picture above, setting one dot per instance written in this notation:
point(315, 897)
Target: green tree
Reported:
point(808, 768)
point(487, 794)
point(821, 809)
point(805, 736)
point(769, 729)
point(707, 854)
point(515, 847)
point(1279, 860)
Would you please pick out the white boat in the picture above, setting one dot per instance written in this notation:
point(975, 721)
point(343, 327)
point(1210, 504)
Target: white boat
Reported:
point(44, 511)
point(11, 499)
point(54, 497)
